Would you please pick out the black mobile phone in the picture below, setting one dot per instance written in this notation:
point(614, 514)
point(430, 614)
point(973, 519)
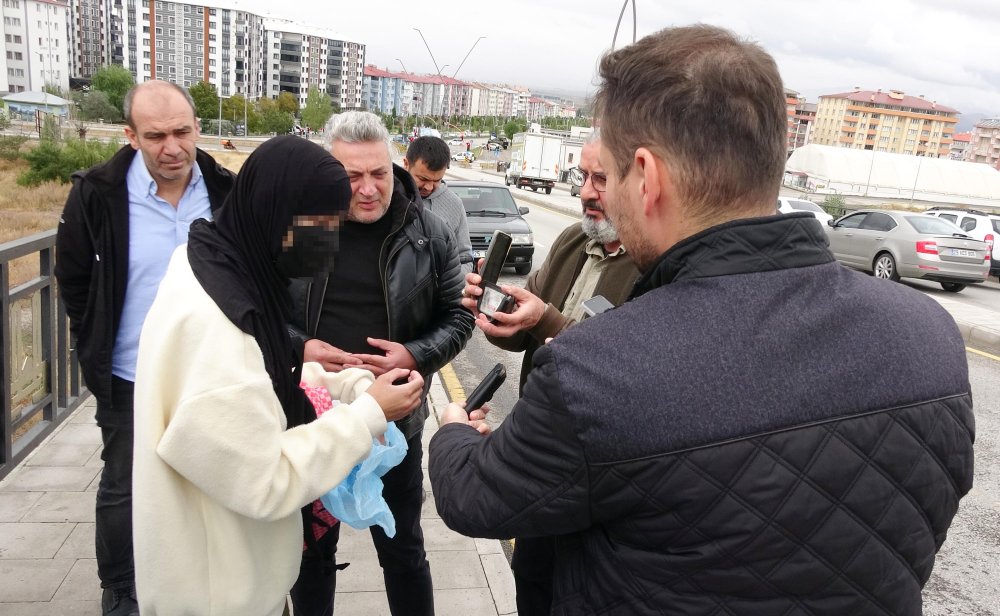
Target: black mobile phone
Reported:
point(496, 254)
point(494, 300)
point(483, 392)
point(596, 305)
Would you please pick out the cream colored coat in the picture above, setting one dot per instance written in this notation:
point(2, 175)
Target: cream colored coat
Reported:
point(218, 480)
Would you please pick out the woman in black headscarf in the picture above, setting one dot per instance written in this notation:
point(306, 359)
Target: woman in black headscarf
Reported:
point(227, 448)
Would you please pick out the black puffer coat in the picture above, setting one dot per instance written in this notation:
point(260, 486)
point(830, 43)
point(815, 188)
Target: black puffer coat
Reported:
point(759, 431)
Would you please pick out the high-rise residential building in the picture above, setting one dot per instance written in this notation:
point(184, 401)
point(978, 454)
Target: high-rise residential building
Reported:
point(95, 35)
point(984, 143)
point(238, 51)
point(886, 122)
point(36, 47)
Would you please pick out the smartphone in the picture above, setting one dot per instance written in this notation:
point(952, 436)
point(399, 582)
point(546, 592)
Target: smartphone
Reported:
point(493, 299)
point(496, 255)
point(483, 392)
point(596, 305)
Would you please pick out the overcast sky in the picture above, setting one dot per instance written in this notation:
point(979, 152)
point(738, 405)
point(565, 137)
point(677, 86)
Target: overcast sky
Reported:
point(947, 50)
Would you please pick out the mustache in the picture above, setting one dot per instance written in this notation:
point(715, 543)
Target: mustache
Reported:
point(593, 204)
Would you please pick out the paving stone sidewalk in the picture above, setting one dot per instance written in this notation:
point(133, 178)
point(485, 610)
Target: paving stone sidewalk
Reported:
point(47, 565)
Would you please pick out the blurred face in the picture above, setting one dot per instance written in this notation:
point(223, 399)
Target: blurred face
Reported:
point(370, 169)
point(595, 224)
point(427, 180)
point(623, 207)
point(165, 132)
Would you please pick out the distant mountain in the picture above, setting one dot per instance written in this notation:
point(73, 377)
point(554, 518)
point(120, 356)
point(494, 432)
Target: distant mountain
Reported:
point(968, 121)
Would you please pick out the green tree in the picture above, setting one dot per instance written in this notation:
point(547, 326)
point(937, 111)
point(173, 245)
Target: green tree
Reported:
point(288, 103)
point(51, 161)
point(94, 105)
point(274, 120)
point(206, 100)
point(236, 107)
point(318, 109)
point(514, 126)
point(115, 81)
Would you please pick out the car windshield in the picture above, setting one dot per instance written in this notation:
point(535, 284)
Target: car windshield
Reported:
point(996, 224)
point(484, 201)
point(806, 206)
point(929, 225)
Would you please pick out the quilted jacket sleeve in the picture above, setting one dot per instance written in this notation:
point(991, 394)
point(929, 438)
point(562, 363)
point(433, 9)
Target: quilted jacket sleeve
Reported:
point(529, 478)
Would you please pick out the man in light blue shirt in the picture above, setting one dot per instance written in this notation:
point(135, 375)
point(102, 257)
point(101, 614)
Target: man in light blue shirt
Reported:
point(121, 223)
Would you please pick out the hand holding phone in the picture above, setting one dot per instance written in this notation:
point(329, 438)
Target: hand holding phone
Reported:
point(493, 299)
point(483, 392)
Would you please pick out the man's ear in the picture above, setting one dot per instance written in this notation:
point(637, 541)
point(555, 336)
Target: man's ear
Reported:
point(651, 174)
point(133, 139)
point(406, 163)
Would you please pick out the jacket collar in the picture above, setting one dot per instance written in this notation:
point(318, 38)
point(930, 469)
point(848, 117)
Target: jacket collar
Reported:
point(741, 246)
point(406, 203)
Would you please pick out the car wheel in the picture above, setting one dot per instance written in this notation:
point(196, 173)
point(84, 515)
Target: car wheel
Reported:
point(885, 267)
point(952, 287)
point(534, 189)
point(548, 190)
point(506, 180)
point(522, 269)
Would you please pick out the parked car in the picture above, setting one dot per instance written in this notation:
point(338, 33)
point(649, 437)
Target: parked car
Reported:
point(787, 205)
point(894, 245)
point(574, 190)
point(457, 141)
point(464, 157)
point(490, 207)
point(492, 146)
point(978, 224)
point(503, 141)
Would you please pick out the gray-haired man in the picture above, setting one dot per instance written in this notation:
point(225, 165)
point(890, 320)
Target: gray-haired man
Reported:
point(393, 300)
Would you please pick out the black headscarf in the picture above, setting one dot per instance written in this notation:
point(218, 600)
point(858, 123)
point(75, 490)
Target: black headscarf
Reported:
point(234, 257)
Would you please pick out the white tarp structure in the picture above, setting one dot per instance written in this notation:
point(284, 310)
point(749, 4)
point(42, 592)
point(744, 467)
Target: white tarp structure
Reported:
point(831, 170)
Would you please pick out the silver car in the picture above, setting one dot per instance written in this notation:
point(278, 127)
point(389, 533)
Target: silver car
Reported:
point(894, 245)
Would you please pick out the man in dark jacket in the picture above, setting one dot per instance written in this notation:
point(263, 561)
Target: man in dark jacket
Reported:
point(393, 300)
point(121, 223)
point(696, 450)
point(586, 260)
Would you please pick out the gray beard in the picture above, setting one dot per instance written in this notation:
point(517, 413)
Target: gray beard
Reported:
point(601, 232)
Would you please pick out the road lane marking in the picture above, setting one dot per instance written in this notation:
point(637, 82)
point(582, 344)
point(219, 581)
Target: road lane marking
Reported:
point(451, 383)
point(983, 353)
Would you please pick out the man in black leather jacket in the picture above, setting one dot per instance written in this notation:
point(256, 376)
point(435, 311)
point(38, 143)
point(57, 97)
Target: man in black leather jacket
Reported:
point(393, 300)
point(758, 430)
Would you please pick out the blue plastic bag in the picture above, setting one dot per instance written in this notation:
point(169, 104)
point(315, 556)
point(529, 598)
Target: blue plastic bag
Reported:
point(357, 501)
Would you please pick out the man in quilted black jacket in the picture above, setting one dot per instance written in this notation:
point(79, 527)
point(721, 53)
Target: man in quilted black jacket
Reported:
point(758, 430)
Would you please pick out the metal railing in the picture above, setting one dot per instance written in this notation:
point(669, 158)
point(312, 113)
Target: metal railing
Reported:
point(41, 334)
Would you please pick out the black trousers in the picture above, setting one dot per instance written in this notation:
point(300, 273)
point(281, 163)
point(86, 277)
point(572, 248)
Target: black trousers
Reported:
point(404, 563)
point(533, 564)
point(113, 521)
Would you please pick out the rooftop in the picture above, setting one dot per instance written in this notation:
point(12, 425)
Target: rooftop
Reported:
point(894, 98)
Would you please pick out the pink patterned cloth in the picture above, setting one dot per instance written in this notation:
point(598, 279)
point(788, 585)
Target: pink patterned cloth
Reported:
point(322, 520)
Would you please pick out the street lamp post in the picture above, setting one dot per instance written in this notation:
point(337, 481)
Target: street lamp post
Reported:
point(220, 119)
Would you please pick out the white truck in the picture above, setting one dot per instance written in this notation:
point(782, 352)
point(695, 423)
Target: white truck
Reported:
point(534, 161)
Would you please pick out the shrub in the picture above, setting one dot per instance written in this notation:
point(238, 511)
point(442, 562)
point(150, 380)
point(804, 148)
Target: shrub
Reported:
point(51, 161)
point(834, 205)
point(10, 146)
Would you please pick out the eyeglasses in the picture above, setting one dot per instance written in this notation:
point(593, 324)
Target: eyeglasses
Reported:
point(578, 177)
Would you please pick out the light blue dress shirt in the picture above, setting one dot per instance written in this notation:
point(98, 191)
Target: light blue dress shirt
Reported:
point(155, 230)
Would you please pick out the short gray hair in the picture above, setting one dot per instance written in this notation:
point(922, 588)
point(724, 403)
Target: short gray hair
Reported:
point(357, 127)
point(153, 83)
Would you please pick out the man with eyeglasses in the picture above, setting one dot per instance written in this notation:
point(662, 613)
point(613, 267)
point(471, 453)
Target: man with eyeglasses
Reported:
point(586, 260)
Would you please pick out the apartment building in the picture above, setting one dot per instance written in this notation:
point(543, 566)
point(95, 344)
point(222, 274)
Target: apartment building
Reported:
point(984, 143)
point(36, 48)
point(959, 145)
point(886, 122)
point(801, 116)
point(95, 35)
